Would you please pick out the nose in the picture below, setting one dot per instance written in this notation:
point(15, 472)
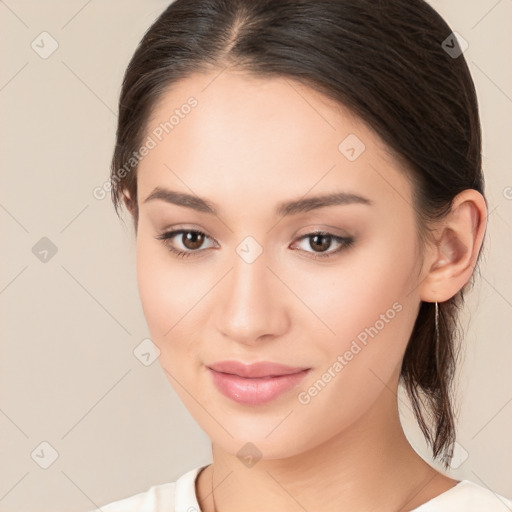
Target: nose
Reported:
point(252, 303)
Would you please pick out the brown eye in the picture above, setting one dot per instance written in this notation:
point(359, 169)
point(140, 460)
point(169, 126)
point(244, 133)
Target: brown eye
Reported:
point(184, 242)
point(192, 239)
point(321, 242)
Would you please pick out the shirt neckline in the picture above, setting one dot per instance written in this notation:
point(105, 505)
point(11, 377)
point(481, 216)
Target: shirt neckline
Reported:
point(186, 498)
point(442, 496)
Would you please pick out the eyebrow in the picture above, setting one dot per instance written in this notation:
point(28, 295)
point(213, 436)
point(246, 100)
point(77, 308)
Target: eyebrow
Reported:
point(283, 209)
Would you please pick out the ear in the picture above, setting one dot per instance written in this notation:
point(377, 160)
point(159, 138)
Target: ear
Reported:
point(128, 201)
point(449, 263)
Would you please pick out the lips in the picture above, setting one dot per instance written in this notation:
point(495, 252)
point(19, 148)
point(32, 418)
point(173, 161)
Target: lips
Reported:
point(255, 370)
point(257, 383)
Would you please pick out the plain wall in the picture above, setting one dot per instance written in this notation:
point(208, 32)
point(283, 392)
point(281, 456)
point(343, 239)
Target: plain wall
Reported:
point(70, 323)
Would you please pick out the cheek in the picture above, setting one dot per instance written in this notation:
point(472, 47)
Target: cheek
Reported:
point(164, 290)
point(174, 295)
point(167, 295)
point(368, 313)
point(350, 297)
point(361, 364)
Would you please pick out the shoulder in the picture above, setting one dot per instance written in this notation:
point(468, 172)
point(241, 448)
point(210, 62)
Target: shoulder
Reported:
point(467, 496)
point(165, 497)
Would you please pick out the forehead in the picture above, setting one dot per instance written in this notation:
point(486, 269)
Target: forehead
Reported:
point(263, 137)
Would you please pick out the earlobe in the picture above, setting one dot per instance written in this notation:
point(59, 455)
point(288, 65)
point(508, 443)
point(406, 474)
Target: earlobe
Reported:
point(457, 246)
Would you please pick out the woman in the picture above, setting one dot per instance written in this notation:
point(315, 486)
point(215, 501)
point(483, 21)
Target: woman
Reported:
point(304, 178)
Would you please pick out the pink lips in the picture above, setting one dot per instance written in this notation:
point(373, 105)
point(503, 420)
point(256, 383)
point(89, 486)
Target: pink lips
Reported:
point(255, 383)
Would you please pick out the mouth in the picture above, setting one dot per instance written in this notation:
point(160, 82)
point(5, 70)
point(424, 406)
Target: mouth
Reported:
point(260, 369)
point(256, 390)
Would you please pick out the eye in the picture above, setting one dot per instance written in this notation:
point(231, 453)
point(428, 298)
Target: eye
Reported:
point(191, 240)
point(322, 240)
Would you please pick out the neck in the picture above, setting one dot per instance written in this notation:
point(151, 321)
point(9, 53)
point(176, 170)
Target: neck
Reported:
point(368, 466)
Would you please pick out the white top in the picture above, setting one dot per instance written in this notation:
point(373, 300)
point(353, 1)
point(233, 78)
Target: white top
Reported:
point(180, 496)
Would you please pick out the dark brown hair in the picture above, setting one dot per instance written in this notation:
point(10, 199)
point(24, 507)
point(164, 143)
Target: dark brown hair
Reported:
point(383, 60)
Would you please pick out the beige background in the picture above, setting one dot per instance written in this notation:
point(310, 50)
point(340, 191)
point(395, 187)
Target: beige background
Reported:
point(68, 374)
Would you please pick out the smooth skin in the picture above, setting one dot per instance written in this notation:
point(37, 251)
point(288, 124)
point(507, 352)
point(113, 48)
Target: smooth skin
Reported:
point(249, 144)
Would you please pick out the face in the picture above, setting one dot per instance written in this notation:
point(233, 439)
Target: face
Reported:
point(254, 281)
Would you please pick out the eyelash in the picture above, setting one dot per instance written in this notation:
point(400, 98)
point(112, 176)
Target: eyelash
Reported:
point(346, 242)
